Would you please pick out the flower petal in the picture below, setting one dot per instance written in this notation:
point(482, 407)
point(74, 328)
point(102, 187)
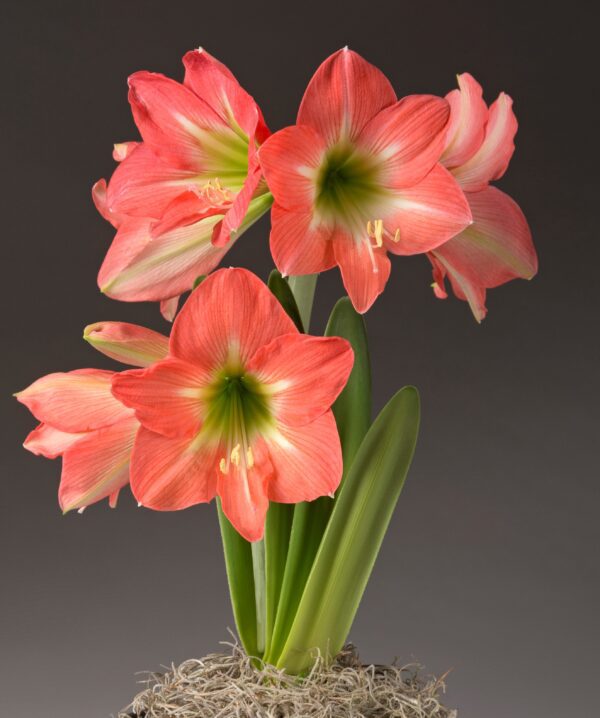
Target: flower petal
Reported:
point(491, 159)
point(47, 441)
point(142, 267)
point(166, 397)
point(97, 465)
point(99, 197)
point(168, 307)
point(171, 474)
point(229, 316)
point(234, 215)
point(298, 247)
point(496, 248)
point(345, 92)
point(170, 117)
point(466, 128)
point(243, 493)
point(303, 374)
point(426, 215)
point(410, 136)
point(365, 269)
point(122, 150)
point(127, 343)
point(143, 185)
point(290, 160)
point(74, 401)
point(307, 461)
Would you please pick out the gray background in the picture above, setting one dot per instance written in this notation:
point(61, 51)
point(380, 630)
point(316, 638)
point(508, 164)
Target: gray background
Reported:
point(490, 565)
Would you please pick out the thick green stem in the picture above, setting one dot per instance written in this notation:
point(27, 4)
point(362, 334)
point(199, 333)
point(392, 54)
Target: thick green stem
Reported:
point(260, 593)
point(303, 289)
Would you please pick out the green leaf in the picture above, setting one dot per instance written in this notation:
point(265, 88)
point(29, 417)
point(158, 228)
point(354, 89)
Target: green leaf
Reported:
point(281, 289)
point(240, 576)
point(277, 538)
point(354, 534)
point(352, 409)
point(198, 281)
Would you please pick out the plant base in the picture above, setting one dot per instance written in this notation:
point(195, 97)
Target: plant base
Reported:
point(229, 685)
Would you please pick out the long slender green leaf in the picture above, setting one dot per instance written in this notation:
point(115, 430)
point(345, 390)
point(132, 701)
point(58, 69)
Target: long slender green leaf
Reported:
point(303, 287)
point(238, 562)
point(277, 539)
point(354, 535)
point(352, 408)
point(281, 289)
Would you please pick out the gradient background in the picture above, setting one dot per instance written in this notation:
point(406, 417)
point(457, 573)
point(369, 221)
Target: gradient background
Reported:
point(490, 566)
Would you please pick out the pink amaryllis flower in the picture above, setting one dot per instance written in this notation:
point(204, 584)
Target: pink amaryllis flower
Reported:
point(240, 408)
point(358, 177)
point(194, 183)
point(83, 422)
point(497, 247)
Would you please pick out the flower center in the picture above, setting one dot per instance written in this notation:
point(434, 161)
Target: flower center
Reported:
point(347, 186)
point(239, 410)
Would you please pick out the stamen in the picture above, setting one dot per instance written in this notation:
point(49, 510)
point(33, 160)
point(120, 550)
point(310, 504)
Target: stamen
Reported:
point(375, 231)
point(235, 455)
point(223, 466)
point(396, 237)
point(249, 458)
point(214, 192)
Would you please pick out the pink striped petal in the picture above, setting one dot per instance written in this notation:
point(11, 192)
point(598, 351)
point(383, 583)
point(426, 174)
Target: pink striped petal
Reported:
point(243, 493)
point(496, 248)
point(365, 269)
point(408, 137)
point(97, 466)
point(426, 215)
point(47, 441)
point(298, 247)
point(229, 316)
point(290, 160)
point(143, 185)
point(171, 474)
point(168, 307)
point(127, 343)
point(343, 95)
point(492, 158)
point(170, 117)
point(166, 397)
point(468, 115)
point(294, 366)
point(307, 461)
point(74, 401)
point(142, 267)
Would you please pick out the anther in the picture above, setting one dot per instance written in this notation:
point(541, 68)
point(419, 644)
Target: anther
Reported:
point(235, 455)
point(375, 231)
point(249, 458)
point(223, 466)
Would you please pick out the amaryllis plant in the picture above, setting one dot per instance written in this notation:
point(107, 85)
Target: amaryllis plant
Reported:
point(240, 404)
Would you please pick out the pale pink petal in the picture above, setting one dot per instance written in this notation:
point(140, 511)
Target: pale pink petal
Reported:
point(170, 118)
point(113, 499)
point(426, 215)
point(97, 465)
point(99, 197)
point(142, 267)
point(47, 441)
point(307, 461)
point(464, 289)
point(365, 269)
point(496, 248)
point(171, 474)
point(343, 95)
point(243, 493)
point(74, 401)
point(168, 307)
point(298, 247)
point(491, 159)
point(229, 316)
point(127, 343)
point(407, 138)
point(122, 150)
point(290, 160)
point(143, 185)
point(166, 397)
point(468, 115)
point(302, 374)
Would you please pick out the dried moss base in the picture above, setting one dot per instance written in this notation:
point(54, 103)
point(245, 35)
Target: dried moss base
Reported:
point(228, 685)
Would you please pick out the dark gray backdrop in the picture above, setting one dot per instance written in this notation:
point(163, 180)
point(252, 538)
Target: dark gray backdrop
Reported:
point(490, 565)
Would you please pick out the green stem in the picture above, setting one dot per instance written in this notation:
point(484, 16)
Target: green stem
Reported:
point(260, 593)
point(303, 289)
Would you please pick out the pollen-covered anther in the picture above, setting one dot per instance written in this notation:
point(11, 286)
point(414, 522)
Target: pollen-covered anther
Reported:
point(214, 192)
point(223, 468)
point(236, 455)
point(375, 231)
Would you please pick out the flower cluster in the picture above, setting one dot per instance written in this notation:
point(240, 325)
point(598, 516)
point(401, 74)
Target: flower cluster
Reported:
point(236, 403)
